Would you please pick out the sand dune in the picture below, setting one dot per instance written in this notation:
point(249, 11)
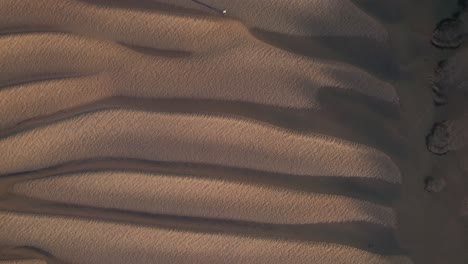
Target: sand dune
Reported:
point(310, 18)
point(251, 72)
point(159, 30)
point(194, 139)
point(175, 195)
point(64, 62)
point(84, 241)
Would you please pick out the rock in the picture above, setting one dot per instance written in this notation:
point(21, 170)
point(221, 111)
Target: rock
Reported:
point(437, 141)
point(448, 34)
point(439, 88)
point(434, 185)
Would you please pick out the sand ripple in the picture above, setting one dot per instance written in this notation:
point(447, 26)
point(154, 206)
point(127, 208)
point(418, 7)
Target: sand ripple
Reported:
point(62, 60)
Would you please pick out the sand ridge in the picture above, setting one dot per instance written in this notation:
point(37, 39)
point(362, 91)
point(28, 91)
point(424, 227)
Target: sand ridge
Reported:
point(250, 73)
point(176, 195)
point(60, 59)
point(192, 139)
point(127, 243)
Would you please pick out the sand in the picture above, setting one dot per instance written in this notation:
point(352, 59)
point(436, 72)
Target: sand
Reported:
point(25, 261)
point(281, 132)
point(192, 139)
point(448, 137)
point(120, 243)
point(175, 195)
point(74, 71)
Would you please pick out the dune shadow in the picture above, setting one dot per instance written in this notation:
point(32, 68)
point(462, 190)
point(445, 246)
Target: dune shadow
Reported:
point(157, 52)
point(372, 56)
point(373, 121)
point(388, 11)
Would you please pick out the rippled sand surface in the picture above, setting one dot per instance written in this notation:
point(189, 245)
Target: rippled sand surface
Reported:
point(161, 131)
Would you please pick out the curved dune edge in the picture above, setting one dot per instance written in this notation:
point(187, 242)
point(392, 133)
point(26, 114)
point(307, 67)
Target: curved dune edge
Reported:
point(252, 73)
point(193, 139)
point(85, 241)
point(206, 198)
